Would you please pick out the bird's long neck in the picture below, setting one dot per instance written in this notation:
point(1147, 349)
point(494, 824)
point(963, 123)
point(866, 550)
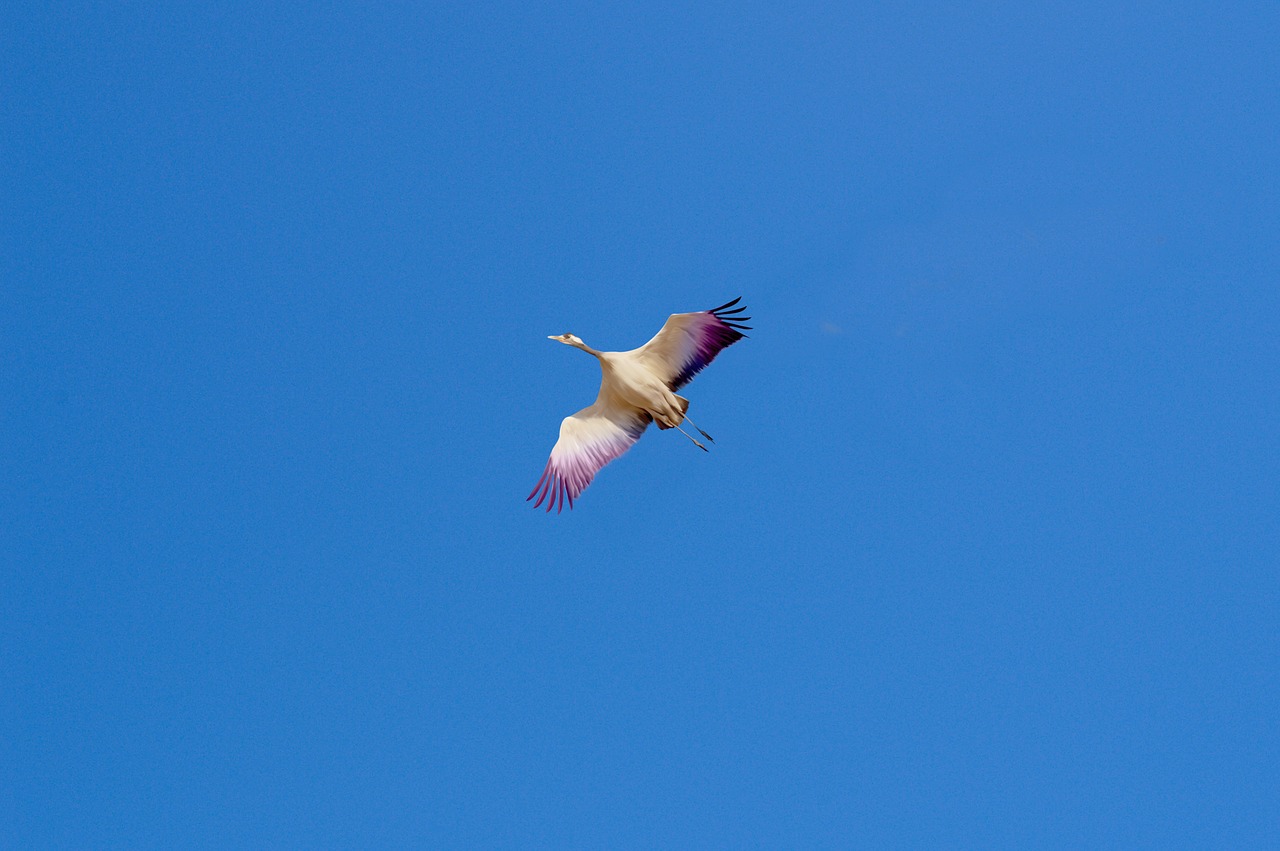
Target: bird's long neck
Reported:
point(588, 350)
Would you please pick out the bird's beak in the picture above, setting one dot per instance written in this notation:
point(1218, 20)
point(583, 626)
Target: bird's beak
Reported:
point(552, 337)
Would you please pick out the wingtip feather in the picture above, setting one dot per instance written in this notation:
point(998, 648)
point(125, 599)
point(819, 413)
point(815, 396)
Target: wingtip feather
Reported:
point(726, 305)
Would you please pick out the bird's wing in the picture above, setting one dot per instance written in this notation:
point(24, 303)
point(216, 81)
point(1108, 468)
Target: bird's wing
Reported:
point(690, 341)
point(588, 440)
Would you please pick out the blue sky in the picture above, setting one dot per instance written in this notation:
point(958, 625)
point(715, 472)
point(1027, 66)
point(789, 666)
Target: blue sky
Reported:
point(985, 554)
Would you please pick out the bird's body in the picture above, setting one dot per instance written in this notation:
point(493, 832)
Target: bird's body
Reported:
point(636, 387)
point(625, 381)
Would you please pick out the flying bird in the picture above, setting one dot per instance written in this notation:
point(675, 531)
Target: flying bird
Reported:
point(636, 388)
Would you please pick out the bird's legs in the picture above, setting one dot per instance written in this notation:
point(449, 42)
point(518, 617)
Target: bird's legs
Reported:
point(700, 431)
point(695, 443)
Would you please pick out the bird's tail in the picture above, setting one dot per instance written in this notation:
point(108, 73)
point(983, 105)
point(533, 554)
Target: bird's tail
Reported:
point(682, 405)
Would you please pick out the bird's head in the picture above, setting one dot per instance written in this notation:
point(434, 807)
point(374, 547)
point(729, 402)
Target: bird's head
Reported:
point(567, 339)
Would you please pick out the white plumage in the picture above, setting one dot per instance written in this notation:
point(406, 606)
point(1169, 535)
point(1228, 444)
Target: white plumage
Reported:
point(636, 388)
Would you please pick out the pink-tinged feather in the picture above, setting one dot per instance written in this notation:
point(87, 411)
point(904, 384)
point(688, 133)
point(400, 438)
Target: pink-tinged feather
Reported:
point(589, 440)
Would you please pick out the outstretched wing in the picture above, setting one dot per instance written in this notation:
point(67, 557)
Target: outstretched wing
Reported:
point(588, 440)
point(690, 341)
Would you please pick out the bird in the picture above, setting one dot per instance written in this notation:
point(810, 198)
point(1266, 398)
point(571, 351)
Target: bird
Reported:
point(636, 388)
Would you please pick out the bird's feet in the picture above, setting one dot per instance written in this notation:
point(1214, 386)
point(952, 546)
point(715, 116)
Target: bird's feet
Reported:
point(700, 431)
point(692, 438)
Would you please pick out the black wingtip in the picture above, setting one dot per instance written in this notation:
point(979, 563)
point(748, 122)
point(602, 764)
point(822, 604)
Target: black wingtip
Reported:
point(732, 318)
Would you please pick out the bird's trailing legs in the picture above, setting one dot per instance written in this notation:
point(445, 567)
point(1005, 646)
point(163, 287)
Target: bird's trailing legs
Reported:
point(700, 431)
point(695, 443)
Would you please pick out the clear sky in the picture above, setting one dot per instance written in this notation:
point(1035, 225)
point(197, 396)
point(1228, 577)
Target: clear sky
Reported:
point(985, 554)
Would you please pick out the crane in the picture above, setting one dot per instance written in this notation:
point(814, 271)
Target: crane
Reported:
point(636, 388)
